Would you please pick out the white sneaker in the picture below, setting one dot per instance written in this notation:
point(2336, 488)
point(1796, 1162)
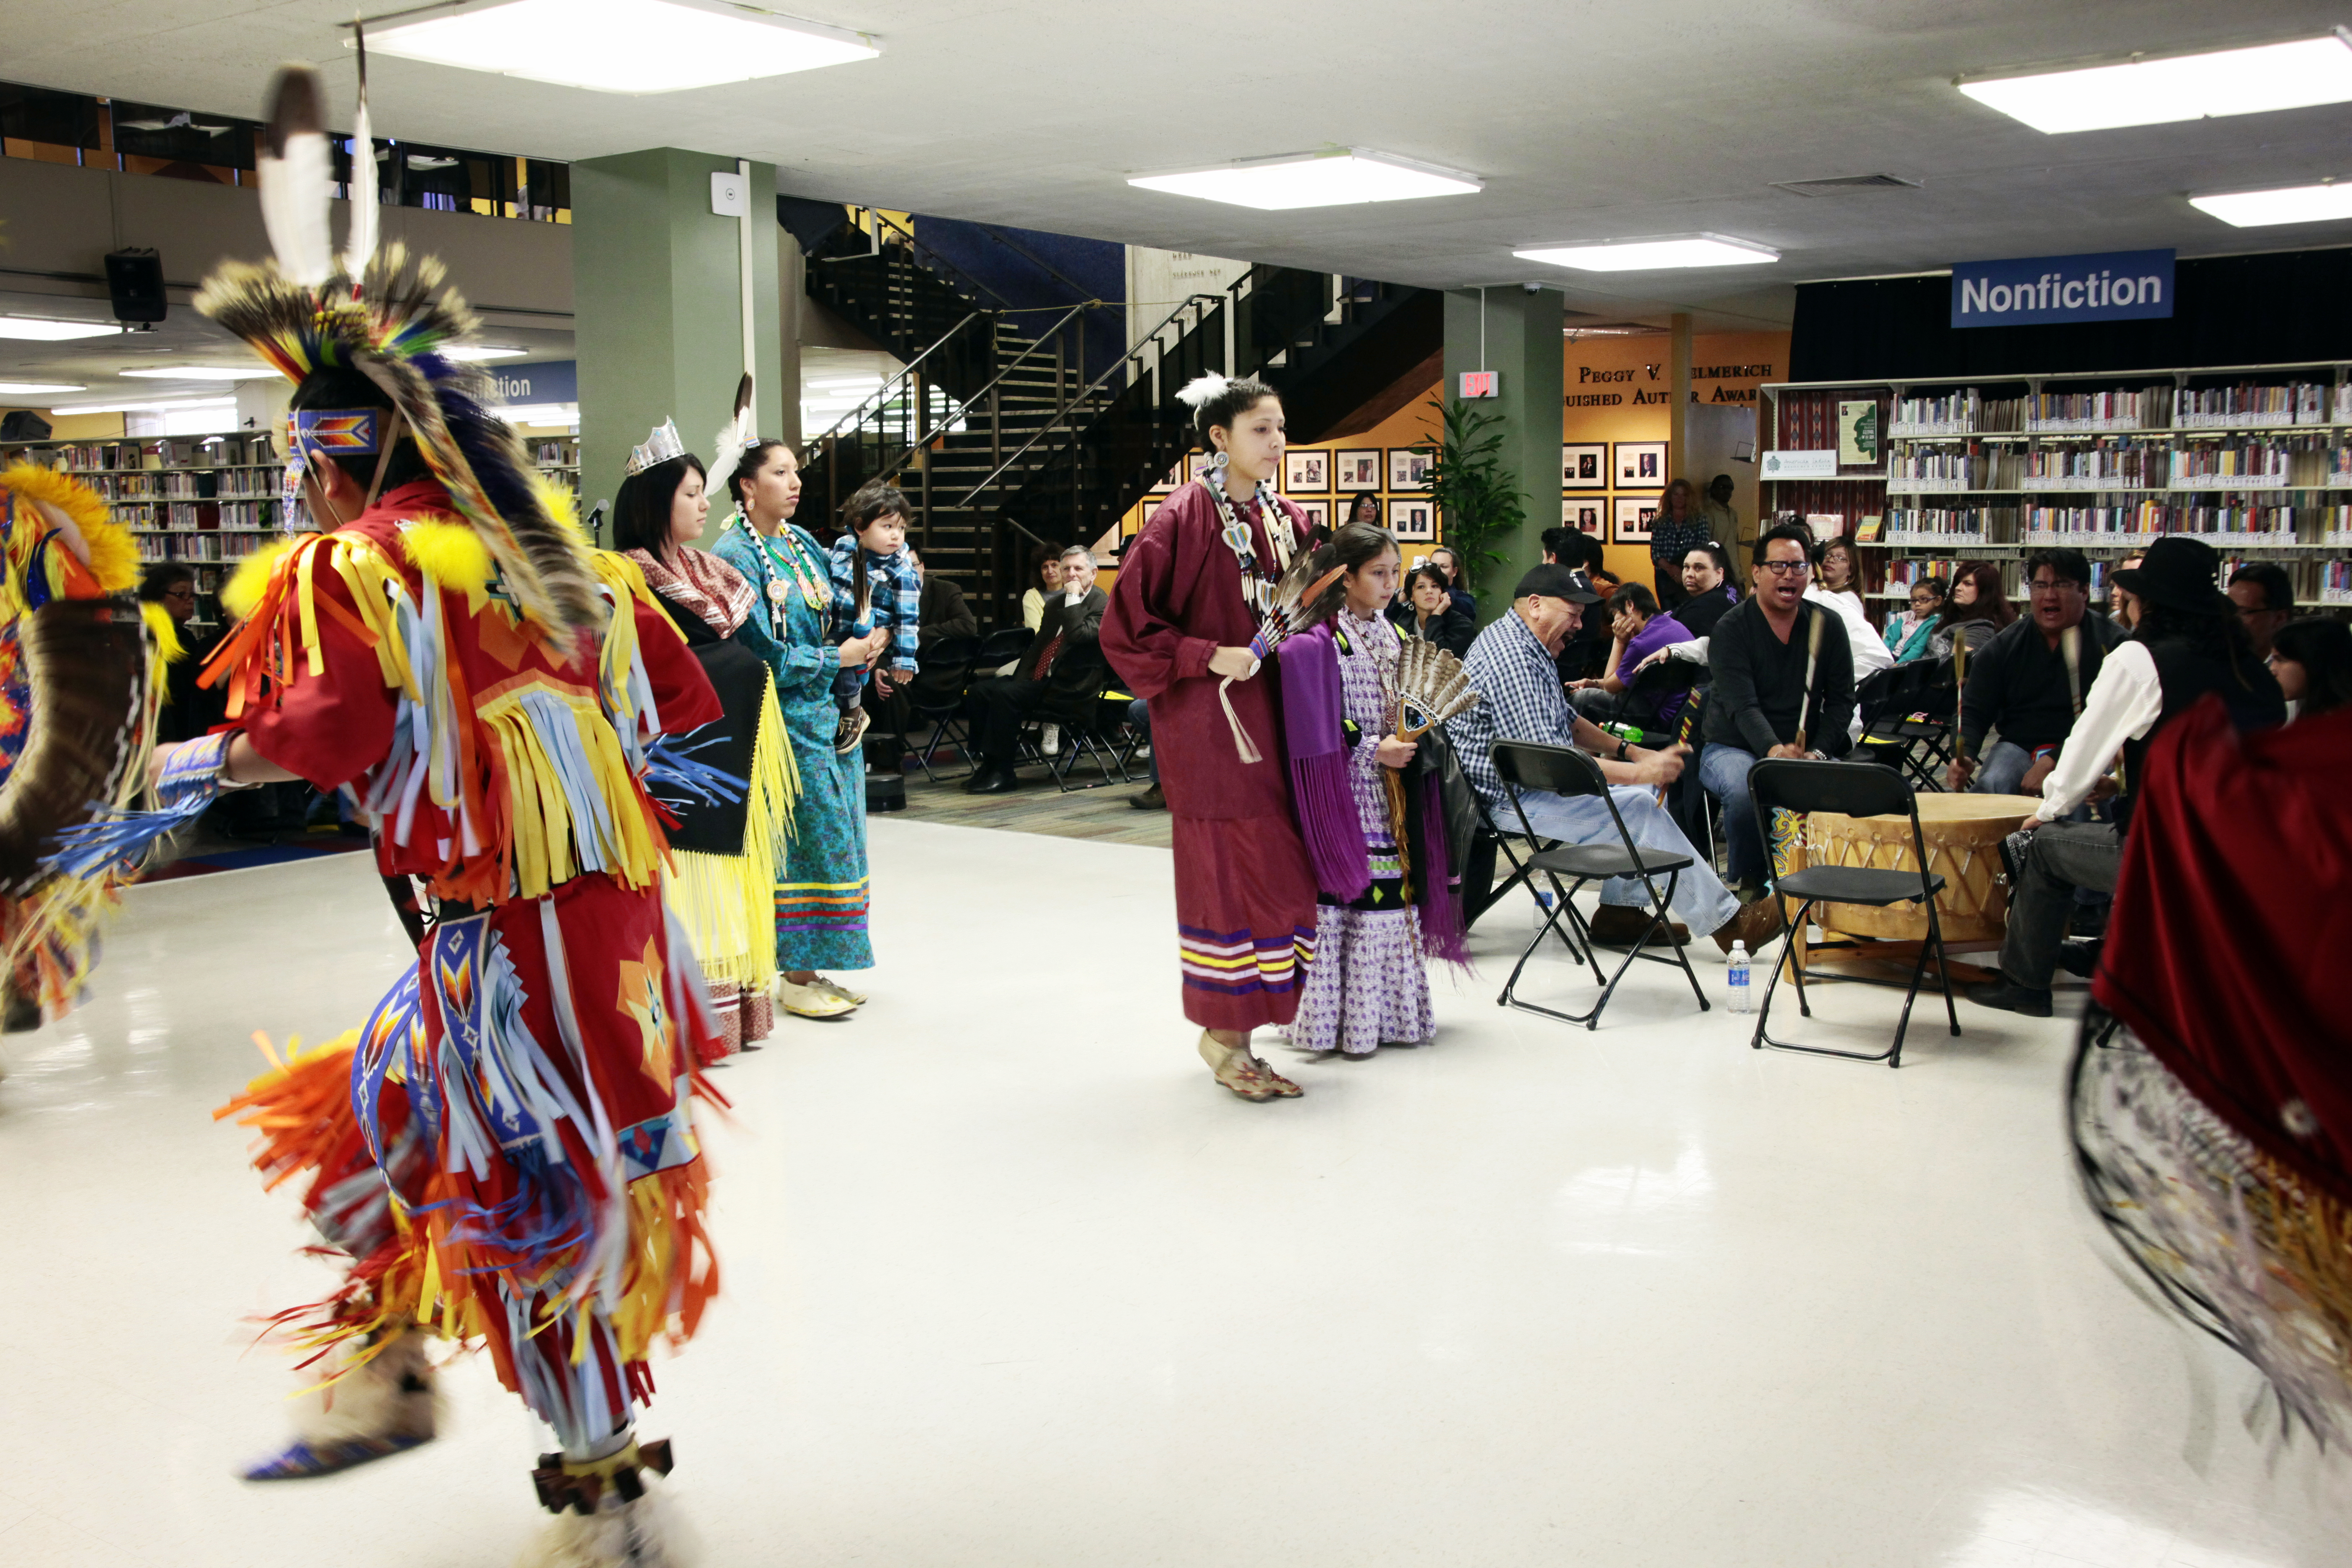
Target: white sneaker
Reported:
point(1051, 744)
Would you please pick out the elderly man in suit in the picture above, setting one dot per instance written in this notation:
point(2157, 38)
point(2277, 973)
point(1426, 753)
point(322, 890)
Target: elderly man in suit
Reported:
point(1063, 651)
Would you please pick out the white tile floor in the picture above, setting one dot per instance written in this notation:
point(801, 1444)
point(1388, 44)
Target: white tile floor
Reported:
point(1009, 1282)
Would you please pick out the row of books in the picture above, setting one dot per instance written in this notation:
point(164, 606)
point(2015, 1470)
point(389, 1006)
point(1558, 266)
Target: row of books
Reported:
point(2335, 585)
point(188, 517)
point(197, 546)
point(2121, 464)
point(253, 447)
point(1967, 411)
point(1960, 413)
point(2250, 403)
point(1969, 468)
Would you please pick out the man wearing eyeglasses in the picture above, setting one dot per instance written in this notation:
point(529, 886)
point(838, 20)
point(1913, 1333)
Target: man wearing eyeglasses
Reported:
point(1772, 681)
point(2027, 686)
point(2265, 602)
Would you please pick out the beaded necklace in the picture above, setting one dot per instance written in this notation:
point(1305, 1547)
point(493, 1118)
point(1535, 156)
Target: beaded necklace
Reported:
point(1257, 584)
point(815, 586)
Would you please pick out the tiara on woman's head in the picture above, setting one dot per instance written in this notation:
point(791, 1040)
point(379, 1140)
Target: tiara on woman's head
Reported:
point(658, 447)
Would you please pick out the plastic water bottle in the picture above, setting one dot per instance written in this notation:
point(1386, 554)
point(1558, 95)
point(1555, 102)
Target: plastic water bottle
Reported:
point(1542, 910)
point(1737, 998)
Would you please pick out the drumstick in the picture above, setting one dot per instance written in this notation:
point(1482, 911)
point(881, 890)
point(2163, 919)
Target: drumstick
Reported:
point(1960, 693)
point(1812, 658)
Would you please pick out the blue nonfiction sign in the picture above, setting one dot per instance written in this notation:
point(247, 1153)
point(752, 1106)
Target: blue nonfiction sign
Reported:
point(550, 381)
point(2037, 291)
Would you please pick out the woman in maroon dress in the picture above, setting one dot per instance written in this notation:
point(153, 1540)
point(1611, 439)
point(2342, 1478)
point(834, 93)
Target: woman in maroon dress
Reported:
point(1194, 588)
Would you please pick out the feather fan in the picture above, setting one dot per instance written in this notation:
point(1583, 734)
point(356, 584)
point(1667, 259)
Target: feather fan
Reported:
point(1431, 687)
point(296, 169)
point(87, 662)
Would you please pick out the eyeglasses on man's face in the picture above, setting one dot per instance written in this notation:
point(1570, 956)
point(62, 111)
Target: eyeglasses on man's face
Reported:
point(2052, 584)
point(1788, 568)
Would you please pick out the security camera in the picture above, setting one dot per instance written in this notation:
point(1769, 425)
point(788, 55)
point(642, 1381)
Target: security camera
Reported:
point(1530, 288)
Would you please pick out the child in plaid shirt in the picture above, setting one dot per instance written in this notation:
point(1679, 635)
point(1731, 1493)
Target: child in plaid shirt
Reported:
point(874, 589)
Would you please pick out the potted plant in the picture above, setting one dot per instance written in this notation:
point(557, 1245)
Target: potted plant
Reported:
point(1470, 488)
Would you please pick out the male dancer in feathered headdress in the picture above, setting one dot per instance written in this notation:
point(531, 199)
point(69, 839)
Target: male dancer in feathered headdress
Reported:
point(506, 1151)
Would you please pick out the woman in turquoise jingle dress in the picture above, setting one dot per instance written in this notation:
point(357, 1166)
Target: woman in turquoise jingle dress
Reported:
point(821, 902)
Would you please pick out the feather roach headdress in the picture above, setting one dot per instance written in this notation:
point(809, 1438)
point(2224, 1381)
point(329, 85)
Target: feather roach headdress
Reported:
point(392, 317)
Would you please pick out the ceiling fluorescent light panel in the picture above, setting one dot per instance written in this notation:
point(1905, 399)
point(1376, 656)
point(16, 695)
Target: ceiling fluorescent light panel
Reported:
point(2297, 204)
point(625, 46)
point(1654, 253)
point(34, 388)
point(473, 353)
point(2269, 77)
point(1343, 177)
point(43, 330)
point(203, 372)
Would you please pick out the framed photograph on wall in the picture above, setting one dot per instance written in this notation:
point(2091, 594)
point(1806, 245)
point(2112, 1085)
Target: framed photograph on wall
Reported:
point(1150, 508)
point(1585, 466)
point(1357, 468)
point(1640, 465)
point(1170, 480)
point(1408, 469)
point(1195, 465)
point(1318, 513)
point(1307, 472)
point(1633, 515)
point(1412, 520)
point(1582, 514)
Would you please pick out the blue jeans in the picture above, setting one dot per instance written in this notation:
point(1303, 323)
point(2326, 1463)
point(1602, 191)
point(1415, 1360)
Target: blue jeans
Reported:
point(1701, 900)
point(1723, 774)
point(1138, 714)
point(2000, 767)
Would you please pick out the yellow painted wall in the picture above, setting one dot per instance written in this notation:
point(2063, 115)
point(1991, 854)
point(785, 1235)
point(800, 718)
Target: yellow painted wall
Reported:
point(1616, 390)
point(81, 427)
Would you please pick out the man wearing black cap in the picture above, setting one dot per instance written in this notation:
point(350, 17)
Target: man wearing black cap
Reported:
point(1511, 667)
point(2188, 644)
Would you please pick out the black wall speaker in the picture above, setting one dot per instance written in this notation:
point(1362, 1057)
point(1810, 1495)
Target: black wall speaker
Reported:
point(135, 279)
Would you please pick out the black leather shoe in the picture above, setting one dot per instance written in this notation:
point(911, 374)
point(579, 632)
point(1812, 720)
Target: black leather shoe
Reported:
point(2079, 958)
point(981, 776)
point(996, 781)
point(2009, 998)
point(1149, 800)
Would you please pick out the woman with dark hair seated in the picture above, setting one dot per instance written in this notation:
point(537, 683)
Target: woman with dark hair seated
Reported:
point(1426, 610)
point(1709, 587)
point(1363, 506)
point(2313, 661)
point(1446, 560)
point(1972, 612)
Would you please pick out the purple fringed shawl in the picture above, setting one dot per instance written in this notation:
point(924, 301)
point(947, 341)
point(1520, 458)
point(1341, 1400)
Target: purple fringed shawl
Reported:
point(1313, 712)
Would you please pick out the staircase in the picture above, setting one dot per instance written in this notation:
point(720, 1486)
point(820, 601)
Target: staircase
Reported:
point(1003, 444)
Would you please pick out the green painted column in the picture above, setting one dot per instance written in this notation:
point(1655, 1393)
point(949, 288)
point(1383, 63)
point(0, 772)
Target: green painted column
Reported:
point(657, 285)
point(1509, 329)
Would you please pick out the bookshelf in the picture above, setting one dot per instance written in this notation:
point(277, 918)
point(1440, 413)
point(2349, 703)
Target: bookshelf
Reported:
point(557, 457)
point(2254, 459)
point(208, 501)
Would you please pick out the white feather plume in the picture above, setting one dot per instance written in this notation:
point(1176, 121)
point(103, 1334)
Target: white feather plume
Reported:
point(733, 436)
point(359, 244)
point(296, 169)
point(1201, 388)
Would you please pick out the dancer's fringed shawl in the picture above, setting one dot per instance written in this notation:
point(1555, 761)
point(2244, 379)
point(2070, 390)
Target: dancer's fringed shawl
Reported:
point(1315, 733)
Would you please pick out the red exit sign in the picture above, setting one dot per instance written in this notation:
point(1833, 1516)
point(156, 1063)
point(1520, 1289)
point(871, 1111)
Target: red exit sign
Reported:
point(1481, 383)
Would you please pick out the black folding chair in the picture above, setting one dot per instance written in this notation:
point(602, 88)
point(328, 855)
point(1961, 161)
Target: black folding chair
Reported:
point(1001, 647)
point(1906, 720)
point(943, 668)
point(1077, 707)
point(1566, 770)
point(1854, 790)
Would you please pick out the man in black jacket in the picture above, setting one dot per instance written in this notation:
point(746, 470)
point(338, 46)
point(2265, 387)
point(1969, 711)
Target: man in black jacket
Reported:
point(2029, 682)
point(1064, 655)
point(1781, 668)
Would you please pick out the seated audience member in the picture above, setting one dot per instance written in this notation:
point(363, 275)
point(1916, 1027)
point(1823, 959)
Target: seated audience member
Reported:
point(1069, 628)
point(2122, 608)
point(2311, 659)
point(1572, 548)
point(1587, 648)
point(1760, 658)
point(1424, 609)
point(2190, 645)
point(1709, 587)
point(1638, 628)
point(189, 710)
point(1511, 667)
point(1363, 506)
point(1446, 561)
point(2265, 602)
point(1907, 634)
point(942, 614)
point(1864, 646)
point(1974, 609)
point(2019, 683)
point(1837, 575)
point(1048, 571)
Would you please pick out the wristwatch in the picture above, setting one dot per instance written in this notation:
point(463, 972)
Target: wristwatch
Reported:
point(1622, 747)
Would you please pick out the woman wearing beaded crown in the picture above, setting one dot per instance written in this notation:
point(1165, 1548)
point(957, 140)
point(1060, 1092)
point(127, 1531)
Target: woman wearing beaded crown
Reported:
point(506, 1152)
point(821, 894)
point(1195, 591)
point(724, 852)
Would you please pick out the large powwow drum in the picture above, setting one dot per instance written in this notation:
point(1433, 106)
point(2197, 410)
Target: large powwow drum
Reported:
point(1963, 834)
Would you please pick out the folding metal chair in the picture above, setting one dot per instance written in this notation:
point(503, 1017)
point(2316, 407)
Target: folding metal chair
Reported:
point(1566, 770)
point(1853, 790)
point(944, 667)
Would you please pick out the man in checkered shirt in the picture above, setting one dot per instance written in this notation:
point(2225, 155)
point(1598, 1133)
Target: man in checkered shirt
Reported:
point(1521, 700)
